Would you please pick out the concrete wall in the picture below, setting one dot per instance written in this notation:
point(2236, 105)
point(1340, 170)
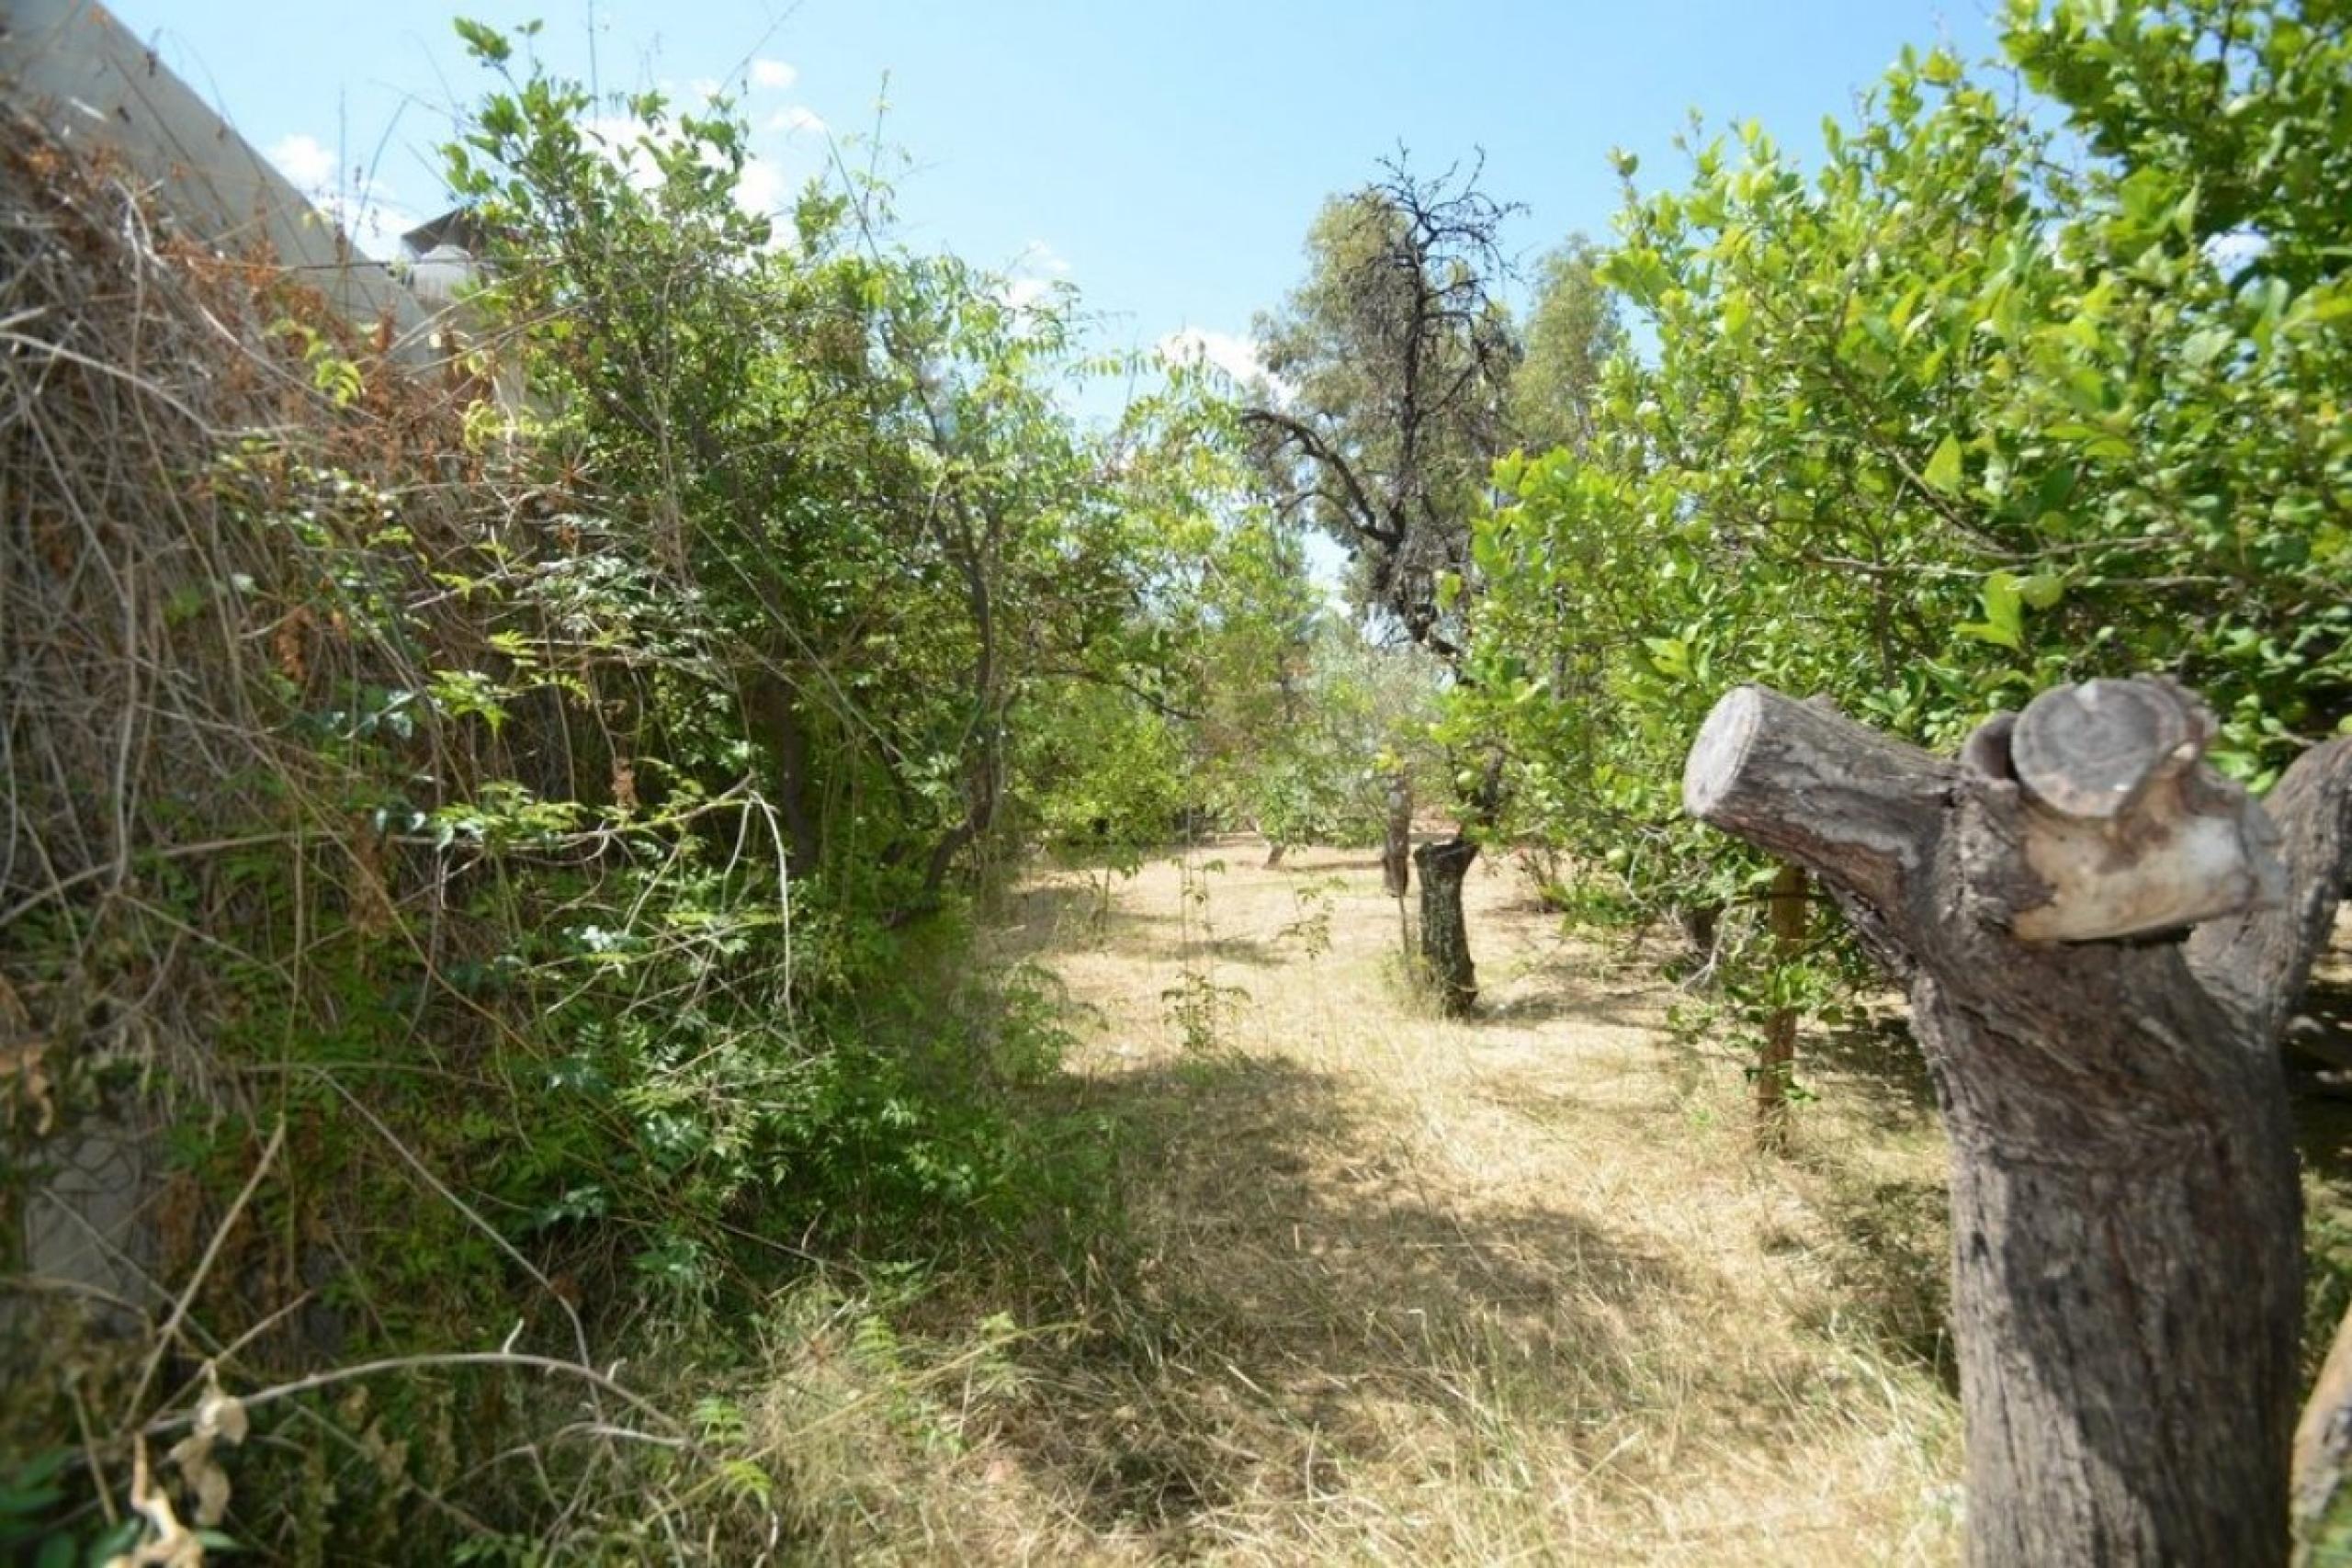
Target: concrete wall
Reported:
point(71, 66)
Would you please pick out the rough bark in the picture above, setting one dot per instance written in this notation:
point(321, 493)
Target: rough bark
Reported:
point(2261, 961)
point(1776, 1062)
point(2127, 1250)
point(1699, 924)
point(1396, 848)
point(1445, 933)
point(2126, 1262)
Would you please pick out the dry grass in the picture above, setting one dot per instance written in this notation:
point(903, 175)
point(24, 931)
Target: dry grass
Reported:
point(1514, 1290)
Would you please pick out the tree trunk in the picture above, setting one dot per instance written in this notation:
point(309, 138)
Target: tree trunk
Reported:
point(2127, 1272)
point(2126, 1236)
point(1445, 933)
point(775, 713)
point(1776, 1063)
point(1396, 850)
point(1699, 923)
point(1274, 853)
point(2308, 807)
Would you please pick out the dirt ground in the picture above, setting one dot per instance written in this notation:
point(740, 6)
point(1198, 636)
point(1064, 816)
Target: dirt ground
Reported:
point(1513, 1290)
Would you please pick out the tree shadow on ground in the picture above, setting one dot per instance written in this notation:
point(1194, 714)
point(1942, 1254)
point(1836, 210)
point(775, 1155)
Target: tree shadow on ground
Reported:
point(1286, 1295)
point(1324, 866)
point(1889, 1261)
point(1631, 1009)
point(1250, 951)
point(1067, 916)
point(2323, 1091)
point(1890, 1236)
point(1875, 1064)
point(1883, 1243)
point(2323, 1099)
point(1529, 1097)
point(1072, 917)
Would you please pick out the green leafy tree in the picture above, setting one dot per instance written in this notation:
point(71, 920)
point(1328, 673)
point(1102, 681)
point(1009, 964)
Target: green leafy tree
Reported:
point(1361, 713)
point(1949, 420)
point(1392, 362)
point(1574, 328)
point(853, 454)
point(812, 506)
point(2001, 392)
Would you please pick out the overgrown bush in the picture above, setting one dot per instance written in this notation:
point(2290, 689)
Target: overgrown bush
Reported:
point(491, 873)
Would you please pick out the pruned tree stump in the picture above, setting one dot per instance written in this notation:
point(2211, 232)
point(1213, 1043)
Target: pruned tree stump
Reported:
point(1451, 978)
point(2126, 1223)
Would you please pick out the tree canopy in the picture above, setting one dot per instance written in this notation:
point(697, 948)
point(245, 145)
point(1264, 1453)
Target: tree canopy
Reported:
point(1392, 364)
point(1994, 397)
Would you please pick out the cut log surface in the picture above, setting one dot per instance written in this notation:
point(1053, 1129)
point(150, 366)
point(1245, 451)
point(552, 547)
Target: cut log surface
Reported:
point(2091, 751)
point(2125, 1216)
point(2124, 829)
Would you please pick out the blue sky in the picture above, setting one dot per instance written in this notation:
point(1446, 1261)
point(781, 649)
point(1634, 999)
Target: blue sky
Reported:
point(1164, 157)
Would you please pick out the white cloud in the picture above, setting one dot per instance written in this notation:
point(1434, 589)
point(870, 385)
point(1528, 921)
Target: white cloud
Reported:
point(374, 217)
point(1022, 292)
point(774, 74)
point(759, 190)
point(618, 134)
point(378, 224)
point(1033, 276)
point(794, 119)
point(621, 138)
point(1234, 355)
point(302, 159)
point(759, 187)
point(1041, 257)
